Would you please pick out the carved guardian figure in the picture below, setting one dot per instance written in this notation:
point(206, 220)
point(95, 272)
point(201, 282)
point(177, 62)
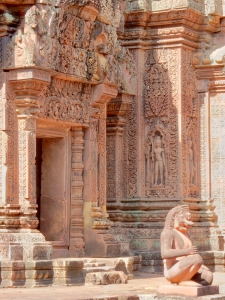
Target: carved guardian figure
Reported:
point(182, 263)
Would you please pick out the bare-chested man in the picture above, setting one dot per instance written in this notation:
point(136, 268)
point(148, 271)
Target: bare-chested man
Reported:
point(158, 156)
point(181, 259)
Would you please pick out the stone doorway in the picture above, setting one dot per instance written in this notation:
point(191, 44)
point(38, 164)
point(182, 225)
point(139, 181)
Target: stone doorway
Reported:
point(52, 188)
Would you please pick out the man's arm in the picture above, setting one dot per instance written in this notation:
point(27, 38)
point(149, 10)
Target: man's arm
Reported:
point(166, 248)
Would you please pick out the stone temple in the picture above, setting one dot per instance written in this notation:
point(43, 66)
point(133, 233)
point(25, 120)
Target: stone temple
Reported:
point(112, 112)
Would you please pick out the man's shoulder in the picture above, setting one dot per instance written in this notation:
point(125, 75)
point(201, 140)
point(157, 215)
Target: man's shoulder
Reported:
point(168, 231)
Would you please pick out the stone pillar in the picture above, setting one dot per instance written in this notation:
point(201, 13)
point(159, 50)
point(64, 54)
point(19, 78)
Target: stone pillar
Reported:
point(101, 96)
point(76, 248)
point(25, 241)
point(116, 112)
point(96, 223)
point(211, 118)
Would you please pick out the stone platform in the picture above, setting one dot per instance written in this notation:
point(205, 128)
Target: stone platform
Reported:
point(187, 291)
point(142, 287)
point(67, 271)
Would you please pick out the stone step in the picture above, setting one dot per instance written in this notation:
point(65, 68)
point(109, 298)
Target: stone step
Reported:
point(98, 269)
point(105, 278)
point(96, 264)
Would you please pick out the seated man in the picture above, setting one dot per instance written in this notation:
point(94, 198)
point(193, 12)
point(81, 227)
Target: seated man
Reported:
point(181, 259)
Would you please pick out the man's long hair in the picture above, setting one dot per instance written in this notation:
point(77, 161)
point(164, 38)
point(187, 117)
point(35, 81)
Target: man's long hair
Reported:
point(169, 223)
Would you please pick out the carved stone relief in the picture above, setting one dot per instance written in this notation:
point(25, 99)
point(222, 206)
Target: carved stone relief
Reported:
point(190, 127)
point(155, 158)
point(204, 167)
point(161, 123)
point(130, 152)
point(98, 157)
point(68, 40)
point(66, 101)
point(217, 114)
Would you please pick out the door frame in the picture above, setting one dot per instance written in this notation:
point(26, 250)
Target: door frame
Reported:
point(61, 132)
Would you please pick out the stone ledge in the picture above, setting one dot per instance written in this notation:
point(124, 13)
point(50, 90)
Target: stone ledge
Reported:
point(154, 297)
point(41, 273)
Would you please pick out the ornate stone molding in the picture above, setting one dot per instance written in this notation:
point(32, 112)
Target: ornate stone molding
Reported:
point(76, 212)
point(116, 120)
point(102, 94)
point(27, 89)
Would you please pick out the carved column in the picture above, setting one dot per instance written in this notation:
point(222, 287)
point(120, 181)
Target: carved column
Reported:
point(116, 112)
point(76, 222)
point(98, 242)
point(102, 95)
point(211, 118)
point(27, 87)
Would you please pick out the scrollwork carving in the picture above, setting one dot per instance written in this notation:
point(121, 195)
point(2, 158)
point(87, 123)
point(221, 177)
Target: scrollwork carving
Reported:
point(160, 151)
point(67, 101)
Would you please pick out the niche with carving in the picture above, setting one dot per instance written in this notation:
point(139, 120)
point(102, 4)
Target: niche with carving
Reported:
point(156, 159)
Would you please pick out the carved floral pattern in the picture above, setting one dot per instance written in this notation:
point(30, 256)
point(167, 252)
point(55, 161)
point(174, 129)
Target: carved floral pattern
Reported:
point(217, 115)
point(67, 101)
point(161, 67)
point(189, 125)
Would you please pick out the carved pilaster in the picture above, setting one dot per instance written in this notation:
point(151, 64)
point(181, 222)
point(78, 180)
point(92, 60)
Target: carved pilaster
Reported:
point(116, 111)
point(102, 95)
point(97, 240)
point(76, 227)
point(25, 92)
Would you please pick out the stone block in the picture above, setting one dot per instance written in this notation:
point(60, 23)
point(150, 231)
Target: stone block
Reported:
point(68, 272)
point(190, 291)
point(16, 252)
point(4, 251)
point(173, 297)
point(42, 251)
point(112, 250)
point(39, 265)
point(104, 278)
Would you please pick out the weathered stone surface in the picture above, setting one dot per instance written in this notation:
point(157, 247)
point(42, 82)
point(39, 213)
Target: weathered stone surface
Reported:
point(188, 291)
point(111, 114)
point(104, 278)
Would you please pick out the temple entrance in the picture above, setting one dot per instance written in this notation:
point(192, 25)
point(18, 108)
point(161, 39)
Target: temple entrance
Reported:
point(52, 192)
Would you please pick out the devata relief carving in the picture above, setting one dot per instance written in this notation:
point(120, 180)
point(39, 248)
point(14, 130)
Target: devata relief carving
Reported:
point(156, 161)
point(158, 158)
point(129, 94)
point(181, 260)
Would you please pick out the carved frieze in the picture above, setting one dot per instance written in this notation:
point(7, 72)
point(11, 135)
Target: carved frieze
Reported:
point(67, 101)
point(67, 40)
